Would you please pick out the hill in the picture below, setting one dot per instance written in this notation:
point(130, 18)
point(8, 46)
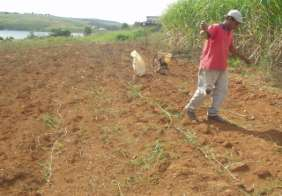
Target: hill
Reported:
point(46, 22)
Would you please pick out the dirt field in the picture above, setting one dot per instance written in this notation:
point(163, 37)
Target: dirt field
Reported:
point(74, 123)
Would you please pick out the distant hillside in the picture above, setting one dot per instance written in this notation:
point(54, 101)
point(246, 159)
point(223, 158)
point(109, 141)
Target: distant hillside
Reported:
point(46, 22)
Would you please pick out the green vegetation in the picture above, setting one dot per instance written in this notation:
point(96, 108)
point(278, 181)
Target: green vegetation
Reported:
point(46, 22)
point(121, 35)
point(263, 19)
point(16, 45)
point(157, 154)
point(259, 37)
point(130, 34)
point(87, 31)
point(124, 26)
point(50, 121)
point(60, 32)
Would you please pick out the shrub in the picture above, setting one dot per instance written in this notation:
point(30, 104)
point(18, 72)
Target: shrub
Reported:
point(31, 35)
point(122, 37)
point(60, 32)
point(87, 31)
point(9, 38)
point(124, 26)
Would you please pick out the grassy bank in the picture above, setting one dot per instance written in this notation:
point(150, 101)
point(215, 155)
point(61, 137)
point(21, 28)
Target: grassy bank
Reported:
point(122, 35)
point(130, 34)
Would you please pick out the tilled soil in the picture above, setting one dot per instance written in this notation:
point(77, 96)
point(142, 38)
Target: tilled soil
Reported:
point(74, 122)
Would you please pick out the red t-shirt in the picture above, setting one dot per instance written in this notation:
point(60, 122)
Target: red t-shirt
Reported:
point(216, 48)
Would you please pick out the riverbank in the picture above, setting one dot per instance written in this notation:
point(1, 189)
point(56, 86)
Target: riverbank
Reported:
point(17, 34)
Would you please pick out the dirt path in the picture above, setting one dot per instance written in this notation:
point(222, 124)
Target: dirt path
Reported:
point(74, 123)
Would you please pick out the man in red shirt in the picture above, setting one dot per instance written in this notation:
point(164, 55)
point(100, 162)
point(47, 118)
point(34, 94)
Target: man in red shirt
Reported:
point(212, 77)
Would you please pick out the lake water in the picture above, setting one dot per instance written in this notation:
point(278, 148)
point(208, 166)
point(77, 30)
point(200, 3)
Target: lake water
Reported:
point(24, 34)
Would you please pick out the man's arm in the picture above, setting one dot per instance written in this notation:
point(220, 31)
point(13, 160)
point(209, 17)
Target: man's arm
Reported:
point(235, 52)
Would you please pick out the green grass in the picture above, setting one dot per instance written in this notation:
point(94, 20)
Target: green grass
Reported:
point(46, 171)
point(102, 37)
point(50, 121)
point(156, 154)
point(16, 45)
point(121, 35)
point(134, 91)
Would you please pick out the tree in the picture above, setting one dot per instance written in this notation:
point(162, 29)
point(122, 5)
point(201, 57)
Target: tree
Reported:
point(124, 26)
point(87, 31)
point(31, 35)
point(60, 32)
point(9, 38)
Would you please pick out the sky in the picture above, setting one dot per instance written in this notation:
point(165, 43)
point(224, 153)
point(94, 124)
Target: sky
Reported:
point(128, 11)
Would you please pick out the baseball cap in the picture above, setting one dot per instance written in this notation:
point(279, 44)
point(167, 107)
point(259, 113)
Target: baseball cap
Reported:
point(236, 14)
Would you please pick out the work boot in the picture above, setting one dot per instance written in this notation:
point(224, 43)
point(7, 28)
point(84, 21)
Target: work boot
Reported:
point(216, 118)
point(192, 116)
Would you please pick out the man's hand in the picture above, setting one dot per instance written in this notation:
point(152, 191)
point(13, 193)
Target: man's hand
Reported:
point(235, 52)
point(242, 57)
point(248, 61)
point(204, 26)
point(204, 30)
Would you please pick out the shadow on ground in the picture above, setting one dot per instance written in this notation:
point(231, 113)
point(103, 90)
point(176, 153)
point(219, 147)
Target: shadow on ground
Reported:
point(272, 135)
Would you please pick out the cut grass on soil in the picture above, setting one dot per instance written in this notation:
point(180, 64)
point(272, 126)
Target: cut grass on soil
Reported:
point(50, 121)
point(156, 154)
